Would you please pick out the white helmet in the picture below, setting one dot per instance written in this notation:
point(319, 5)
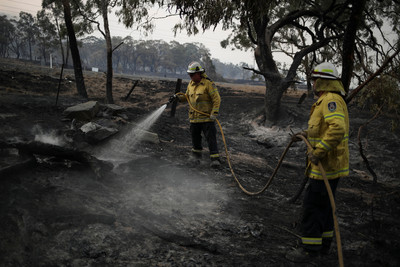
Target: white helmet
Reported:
point(325, 70)
point(194, 67)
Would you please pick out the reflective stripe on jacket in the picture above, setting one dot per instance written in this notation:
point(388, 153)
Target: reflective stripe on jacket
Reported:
point(204, 97)
point(328, 133)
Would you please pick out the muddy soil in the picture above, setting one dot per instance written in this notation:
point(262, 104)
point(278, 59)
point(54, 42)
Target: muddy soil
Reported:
point(157, 208)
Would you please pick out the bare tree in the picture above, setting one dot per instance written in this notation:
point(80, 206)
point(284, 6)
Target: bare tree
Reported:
point(129, 12)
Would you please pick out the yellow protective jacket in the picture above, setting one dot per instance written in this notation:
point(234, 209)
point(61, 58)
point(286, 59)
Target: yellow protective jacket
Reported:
point(204, 97)
point(328, 133)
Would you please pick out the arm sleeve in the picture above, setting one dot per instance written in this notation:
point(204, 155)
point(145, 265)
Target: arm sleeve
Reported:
point(215, 98)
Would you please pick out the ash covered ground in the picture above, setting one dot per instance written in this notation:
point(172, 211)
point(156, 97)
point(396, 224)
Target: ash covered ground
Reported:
point(156, 208)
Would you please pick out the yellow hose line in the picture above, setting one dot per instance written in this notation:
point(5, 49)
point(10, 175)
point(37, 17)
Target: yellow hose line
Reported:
point(233, 173)
point(229, 160)
point(328, 187)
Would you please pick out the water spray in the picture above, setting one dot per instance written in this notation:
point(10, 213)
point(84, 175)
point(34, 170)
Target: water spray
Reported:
point(118, 149)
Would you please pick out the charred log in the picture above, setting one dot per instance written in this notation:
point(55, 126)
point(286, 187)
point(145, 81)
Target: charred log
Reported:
point(99, 167)
point(365, 159)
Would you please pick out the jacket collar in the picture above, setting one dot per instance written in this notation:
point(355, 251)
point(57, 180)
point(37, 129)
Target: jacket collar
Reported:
point(201, 82)
point(321, 98)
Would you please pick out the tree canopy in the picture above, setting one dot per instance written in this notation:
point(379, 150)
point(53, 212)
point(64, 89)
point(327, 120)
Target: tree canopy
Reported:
point(326, 30)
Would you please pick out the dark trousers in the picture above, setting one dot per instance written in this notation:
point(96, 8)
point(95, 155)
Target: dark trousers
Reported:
point(210, 133)
point(317, 221)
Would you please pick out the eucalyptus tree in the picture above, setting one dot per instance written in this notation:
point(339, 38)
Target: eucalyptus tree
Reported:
point(93, 52)
point(127, 52)
point(176, 54)
point(46, 34)
point(17, 43)
point(379, 39)
point(28, 26)
point(55, 9)
point(129, 12)
point(117, 53)
point(67, 11)
point(258, 24)
point(154, 54)
point(161, 55)
point(264, 25)
point(198, 52)
point(7, 29)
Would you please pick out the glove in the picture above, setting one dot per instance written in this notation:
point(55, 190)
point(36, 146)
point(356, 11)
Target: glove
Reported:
point(213, 117)
point(172, 98)
point(313, 158)
point(295, 138)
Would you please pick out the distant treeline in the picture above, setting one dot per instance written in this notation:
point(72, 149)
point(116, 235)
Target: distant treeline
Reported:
point(37, 39)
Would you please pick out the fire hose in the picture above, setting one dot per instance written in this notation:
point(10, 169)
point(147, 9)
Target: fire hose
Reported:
point(326, 182)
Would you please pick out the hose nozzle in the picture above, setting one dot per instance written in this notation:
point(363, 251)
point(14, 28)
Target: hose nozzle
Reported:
point(172, 98)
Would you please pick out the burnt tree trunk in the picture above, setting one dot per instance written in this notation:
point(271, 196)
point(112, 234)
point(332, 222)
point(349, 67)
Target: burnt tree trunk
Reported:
point(109, 94)
point(349, 41)
point(80, 82)
point(276, 85)
point(273, 95)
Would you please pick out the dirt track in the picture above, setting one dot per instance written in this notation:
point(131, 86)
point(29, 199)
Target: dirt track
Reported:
point(158, 209)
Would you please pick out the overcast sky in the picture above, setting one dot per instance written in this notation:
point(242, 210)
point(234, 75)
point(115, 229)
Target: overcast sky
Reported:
point(210, 39)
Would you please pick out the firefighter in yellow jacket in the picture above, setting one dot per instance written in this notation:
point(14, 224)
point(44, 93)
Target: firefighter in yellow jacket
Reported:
point(328, 133)
point(203, 96)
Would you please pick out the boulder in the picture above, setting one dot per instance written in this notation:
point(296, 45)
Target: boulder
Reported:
point(133, 135)
point(83, 112)
point(146, 136)
point(113, 109)
point(95, 133)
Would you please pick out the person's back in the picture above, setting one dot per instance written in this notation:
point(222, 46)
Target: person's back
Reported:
point(328, 133)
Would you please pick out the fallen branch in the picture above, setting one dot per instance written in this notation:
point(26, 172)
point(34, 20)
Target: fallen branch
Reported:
point(375, 178)
point(287, 230)
point(130, 91)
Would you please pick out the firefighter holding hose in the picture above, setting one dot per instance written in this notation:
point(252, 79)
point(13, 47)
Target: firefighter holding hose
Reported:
point(328, 133)
point(203, 96)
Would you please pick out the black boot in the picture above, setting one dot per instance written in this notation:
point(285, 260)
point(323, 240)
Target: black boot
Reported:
point(195, 157)
point(301, 255)
point(215, 163)
point(326, 246)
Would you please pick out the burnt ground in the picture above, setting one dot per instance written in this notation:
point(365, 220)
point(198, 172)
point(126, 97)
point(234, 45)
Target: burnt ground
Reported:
point(159, 209)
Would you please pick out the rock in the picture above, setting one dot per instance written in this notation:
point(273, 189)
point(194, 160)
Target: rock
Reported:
point(83, 112)
point(94, 133)
point(141, 135)
point(124, 116)
point(150, 137)
point(113, 109)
